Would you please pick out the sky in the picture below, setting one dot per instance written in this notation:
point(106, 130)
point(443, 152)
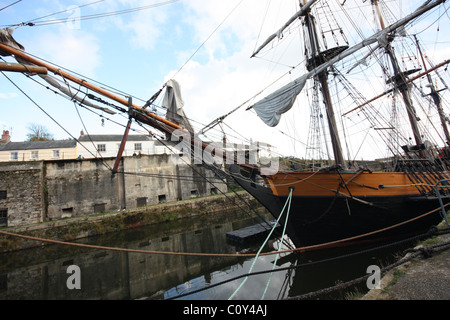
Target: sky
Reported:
point(205, 45)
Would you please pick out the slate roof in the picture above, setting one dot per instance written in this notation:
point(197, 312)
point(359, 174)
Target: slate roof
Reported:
point(64, 144)
point(113, 137)
point(33, 145)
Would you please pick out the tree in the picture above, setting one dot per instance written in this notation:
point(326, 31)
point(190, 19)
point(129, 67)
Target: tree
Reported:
point(38, 132)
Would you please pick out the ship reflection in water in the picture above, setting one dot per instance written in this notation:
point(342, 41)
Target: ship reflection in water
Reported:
point(42, 273)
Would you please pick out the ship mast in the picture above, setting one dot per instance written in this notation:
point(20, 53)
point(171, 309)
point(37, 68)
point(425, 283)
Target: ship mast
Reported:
point(400, 81)
point(318, 58)
point(435, 96)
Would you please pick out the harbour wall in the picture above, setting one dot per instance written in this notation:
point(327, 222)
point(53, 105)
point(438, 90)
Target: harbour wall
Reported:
point(41, 191)
point(75, 228)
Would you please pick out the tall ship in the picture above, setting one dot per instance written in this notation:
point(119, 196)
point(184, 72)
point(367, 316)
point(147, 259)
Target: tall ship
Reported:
point(332, 197)
point(348, 201)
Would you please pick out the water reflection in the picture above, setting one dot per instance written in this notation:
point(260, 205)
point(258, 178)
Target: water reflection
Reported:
point(42, 273)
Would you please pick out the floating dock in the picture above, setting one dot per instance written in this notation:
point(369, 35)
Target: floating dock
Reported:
point(252, 233)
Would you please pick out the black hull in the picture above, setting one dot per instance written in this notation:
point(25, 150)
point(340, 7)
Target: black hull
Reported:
point(320, 220)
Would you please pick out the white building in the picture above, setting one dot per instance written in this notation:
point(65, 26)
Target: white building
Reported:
point(104, 146)
point(36, 150)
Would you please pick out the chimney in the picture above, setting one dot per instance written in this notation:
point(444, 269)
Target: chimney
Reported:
point(5, 137)
point(82, 133)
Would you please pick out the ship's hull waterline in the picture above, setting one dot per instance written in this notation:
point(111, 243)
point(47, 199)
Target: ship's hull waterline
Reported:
point(328, 207)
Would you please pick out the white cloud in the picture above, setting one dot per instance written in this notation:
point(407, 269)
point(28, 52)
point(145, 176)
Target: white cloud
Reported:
point(151, 45)
point(8, 95)
point(225, 77)
point(145, 26)
point(72, 49)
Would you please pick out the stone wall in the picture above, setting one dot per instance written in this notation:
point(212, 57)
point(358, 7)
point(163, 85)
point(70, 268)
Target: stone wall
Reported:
point(164, 178)
point(43, 191)
point(23, 194)
point(80, 187)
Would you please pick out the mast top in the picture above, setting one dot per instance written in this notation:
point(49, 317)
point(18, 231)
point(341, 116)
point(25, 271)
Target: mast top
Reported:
point(303, 10)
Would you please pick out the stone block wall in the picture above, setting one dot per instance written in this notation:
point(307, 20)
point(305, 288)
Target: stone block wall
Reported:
point(22, 195)
point(80, 187)
point(165, 178)
point(41, 191)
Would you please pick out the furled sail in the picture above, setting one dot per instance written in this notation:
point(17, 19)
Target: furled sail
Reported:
point(73, 96)
point(7, 39)
point(174, 103)
point(270, 108)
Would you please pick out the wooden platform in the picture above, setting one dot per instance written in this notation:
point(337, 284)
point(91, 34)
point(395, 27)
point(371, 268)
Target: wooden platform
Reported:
point(251, 233)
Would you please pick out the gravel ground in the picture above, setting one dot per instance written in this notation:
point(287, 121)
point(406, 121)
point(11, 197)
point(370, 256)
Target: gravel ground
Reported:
point(422, 278)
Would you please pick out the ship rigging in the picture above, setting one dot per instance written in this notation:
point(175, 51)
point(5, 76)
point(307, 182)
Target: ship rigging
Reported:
point(344, 198)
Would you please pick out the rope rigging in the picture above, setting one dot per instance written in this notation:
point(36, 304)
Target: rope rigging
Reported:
point(35, 22)
point(415, 179)
point(288, 204)
point(1, 9)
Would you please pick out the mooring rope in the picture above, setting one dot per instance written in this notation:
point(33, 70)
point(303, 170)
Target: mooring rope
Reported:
point(287, 203)
point(279, 248)
point(433, 231)
point(426, 252)
point(300, 249)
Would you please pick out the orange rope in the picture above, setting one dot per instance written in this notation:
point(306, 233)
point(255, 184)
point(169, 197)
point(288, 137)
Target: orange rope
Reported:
point(300, 249)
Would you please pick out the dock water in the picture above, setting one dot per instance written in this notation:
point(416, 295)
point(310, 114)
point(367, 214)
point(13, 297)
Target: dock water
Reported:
point(252, 233)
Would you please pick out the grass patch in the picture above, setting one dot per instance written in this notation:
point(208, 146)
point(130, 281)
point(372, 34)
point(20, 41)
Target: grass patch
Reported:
point(397, 274)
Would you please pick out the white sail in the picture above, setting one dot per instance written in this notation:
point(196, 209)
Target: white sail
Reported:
point(7, 39)
point(174, 103)
point(273, 106)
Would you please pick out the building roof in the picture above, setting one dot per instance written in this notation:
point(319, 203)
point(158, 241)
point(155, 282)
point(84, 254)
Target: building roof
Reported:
point(113, 137)
point(35, 145)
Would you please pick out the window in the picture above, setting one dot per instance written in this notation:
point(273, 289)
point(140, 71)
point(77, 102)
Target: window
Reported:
point(141, 202)
point(34, 155)
point(67, 210)
point(162, 198)
point(55, 154)
point(3, 217)
point(101, 147)
point(98, 208)
point(14, 156)
point(138, 147)
point(3, 194)
point(194, 193)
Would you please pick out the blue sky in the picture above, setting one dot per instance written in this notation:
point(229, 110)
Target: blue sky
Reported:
point(138, 52)
point(135, 53)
